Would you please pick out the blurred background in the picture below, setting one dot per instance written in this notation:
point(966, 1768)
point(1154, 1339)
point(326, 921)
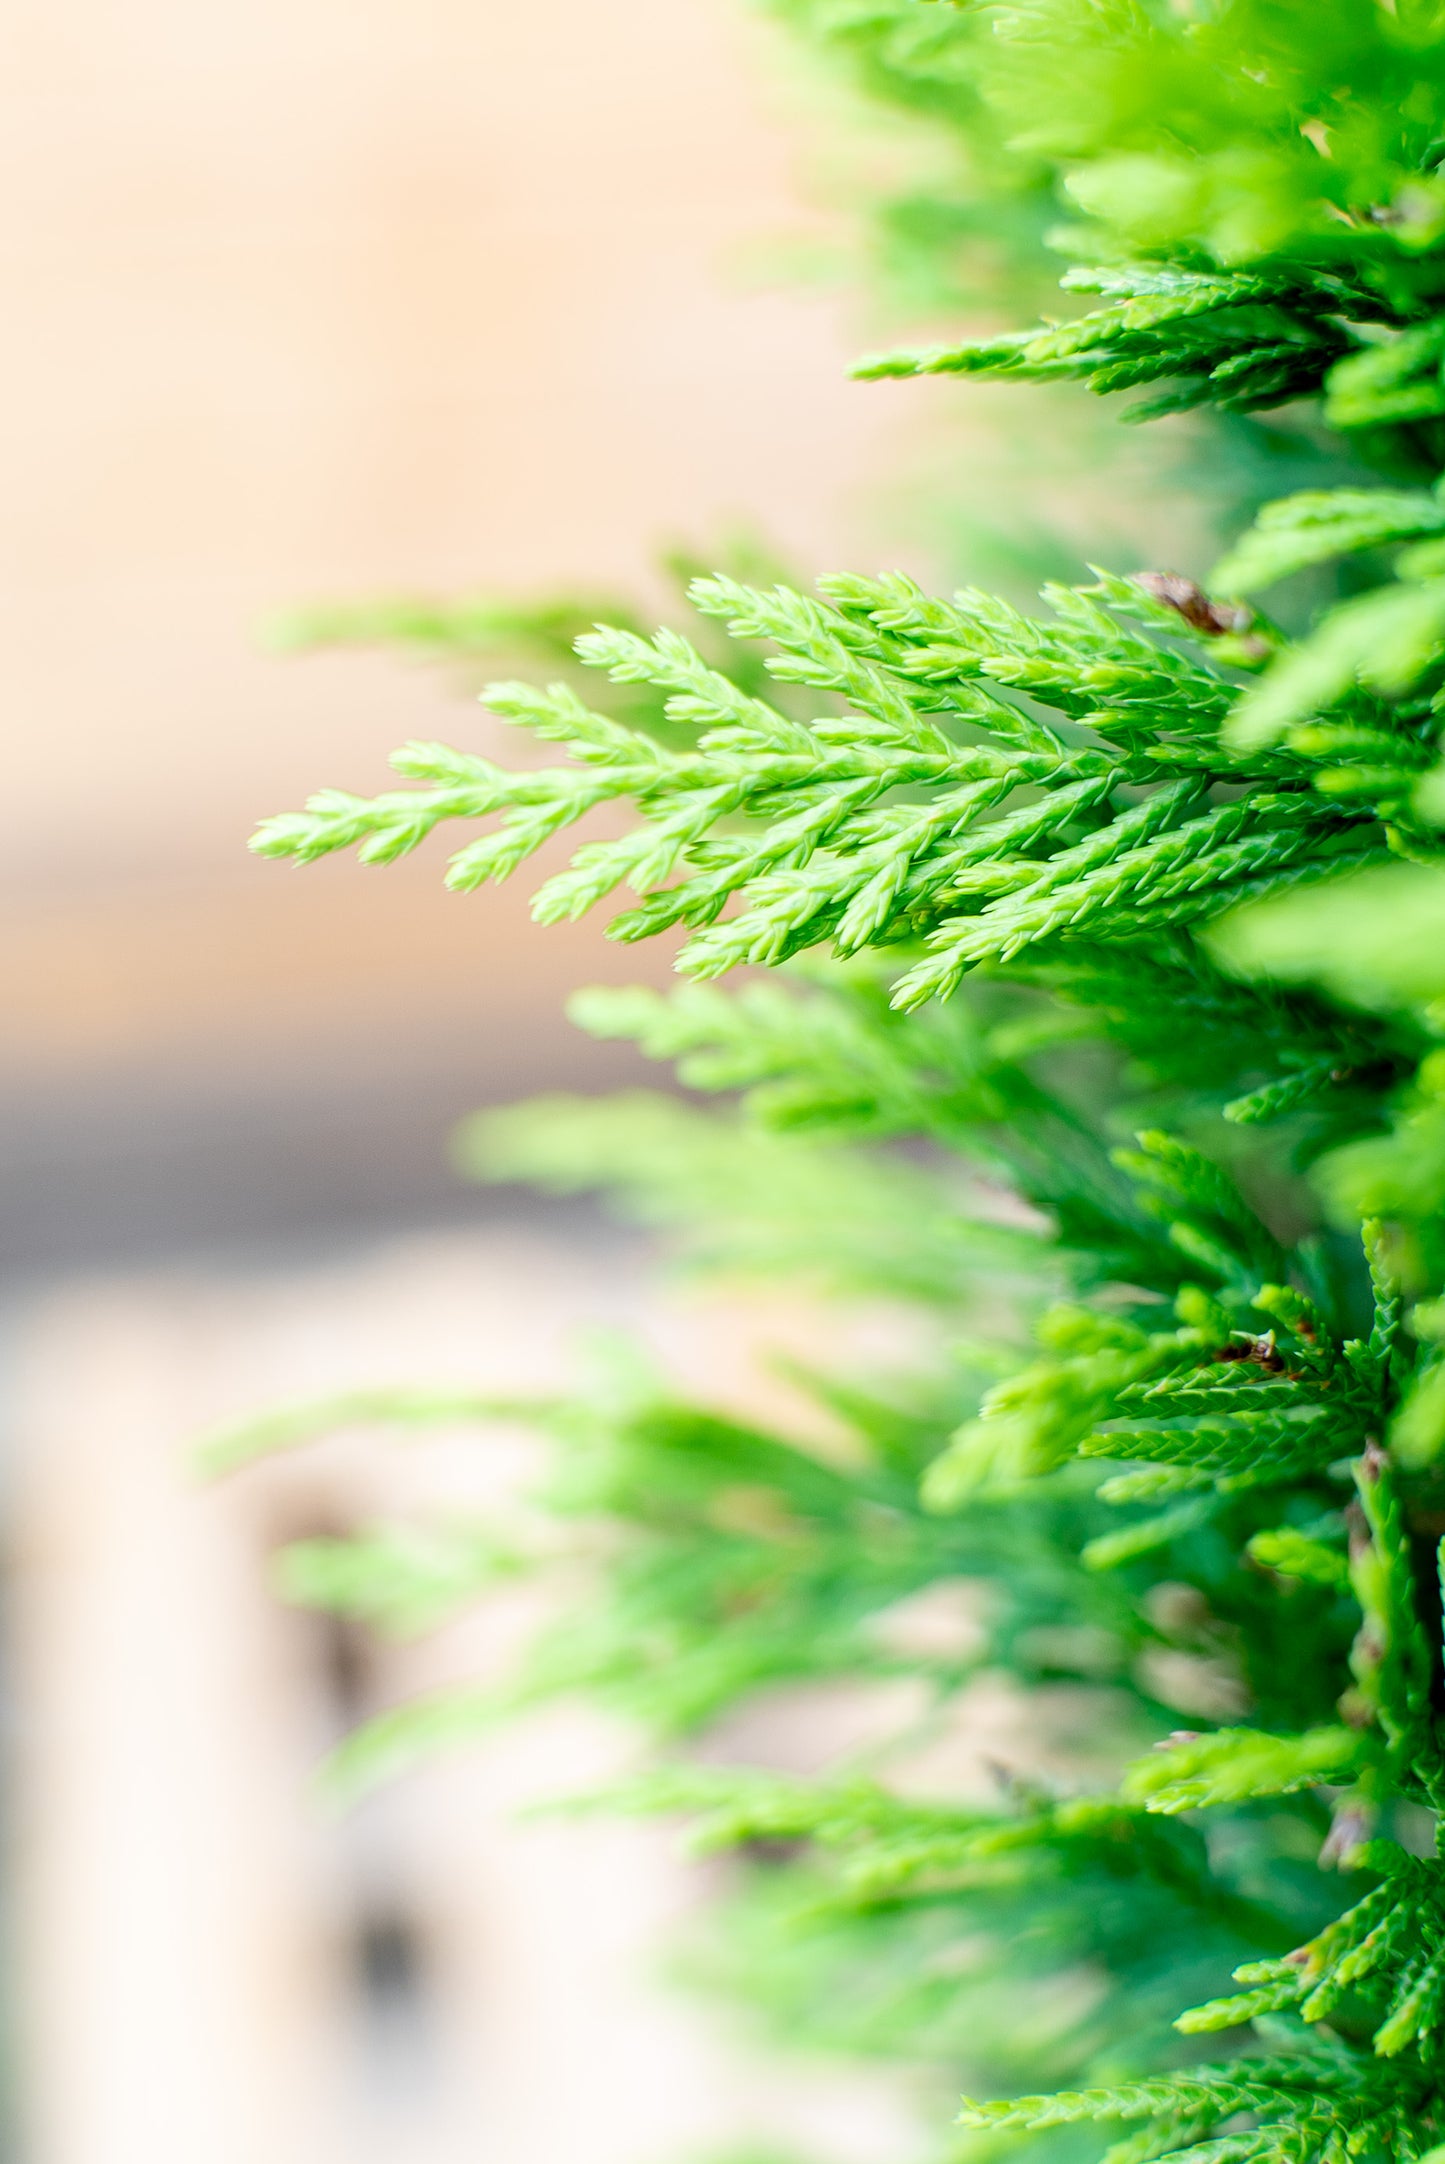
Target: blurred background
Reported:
point(313, 302)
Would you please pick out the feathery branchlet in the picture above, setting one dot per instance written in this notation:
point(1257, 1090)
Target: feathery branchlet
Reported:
point(1127, 915)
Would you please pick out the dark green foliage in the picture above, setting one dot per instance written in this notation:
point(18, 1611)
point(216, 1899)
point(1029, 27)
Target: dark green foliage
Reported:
point(1108, 1044)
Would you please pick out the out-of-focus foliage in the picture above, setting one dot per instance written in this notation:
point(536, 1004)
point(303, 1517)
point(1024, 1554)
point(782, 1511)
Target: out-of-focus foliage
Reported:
point(1108, 1045)
point(966, 225)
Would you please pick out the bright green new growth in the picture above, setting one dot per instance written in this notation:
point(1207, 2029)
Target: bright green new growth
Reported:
point(1129, 918)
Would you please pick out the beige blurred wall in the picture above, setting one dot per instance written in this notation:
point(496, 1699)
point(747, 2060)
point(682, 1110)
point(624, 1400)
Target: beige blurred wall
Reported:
point(321, 300)
point(313, 300)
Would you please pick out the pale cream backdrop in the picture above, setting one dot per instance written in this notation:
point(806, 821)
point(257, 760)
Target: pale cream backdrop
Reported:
point(312, 301)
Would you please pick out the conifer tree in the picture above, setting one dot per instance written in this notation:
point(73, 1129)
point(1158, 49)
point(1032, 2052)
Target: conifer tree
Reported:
point(1130, 907)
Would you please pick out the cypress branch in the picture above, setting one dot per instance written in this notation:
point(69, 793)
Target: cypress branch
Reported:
point(1139, 862)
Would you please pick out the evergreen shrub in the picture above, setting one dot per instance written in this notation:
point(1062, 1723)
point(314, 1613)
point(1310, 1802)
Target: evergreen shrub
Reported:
point(1105, 1032)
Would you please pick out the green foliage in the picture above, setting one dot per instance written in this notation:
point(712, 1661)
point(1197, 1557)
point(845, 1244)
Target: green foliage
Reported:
point(833, 849)
point(1303, 2106)
point(1239, 341)
point(1107, 1043)
point(400, 1579)
point(967, 221)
